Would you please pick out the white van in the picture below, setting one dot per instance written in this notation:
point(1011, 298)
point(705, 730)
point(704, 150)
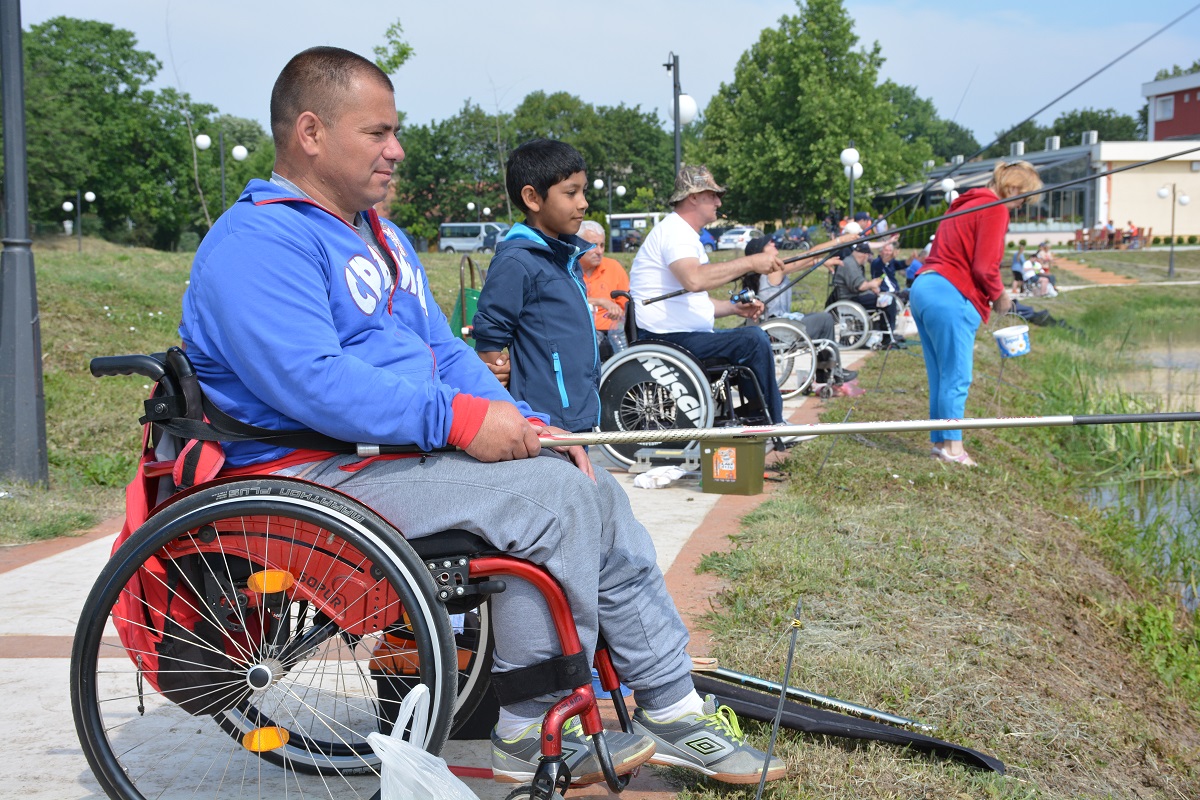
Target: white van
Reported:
point(467, 237)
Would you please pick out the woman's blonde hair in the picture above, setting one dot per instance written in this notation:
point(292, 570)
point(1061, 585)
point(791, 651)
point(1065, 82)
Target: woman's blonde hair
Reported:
point(1012, 179)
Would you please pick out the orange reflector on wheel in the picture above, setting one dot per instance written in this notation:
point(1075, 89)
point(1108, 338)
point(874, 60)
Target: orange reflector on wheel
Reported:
point(270, 581)
point(262, 740)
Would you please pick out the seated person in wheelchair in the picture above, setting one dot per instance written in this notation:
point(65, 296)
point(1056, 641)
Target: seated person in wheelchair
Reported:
point(532, 302)
point(603, 276)
point(305, 310)
point(850, 283)
point(885, 265)
point(819, 325)
point(672, 259)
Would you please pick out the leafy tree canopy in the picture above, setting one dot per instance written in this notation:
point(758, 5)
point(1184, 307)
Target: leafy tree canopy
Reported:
point(1177, 71)
point(799, 96)
point(1111, 126)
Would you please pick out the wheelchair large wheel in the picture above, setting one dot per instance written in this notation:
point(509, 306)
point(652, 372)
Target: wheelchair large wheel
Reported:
point(652, 386)
point(851, 325)
point(795, 357)
point(258, 621)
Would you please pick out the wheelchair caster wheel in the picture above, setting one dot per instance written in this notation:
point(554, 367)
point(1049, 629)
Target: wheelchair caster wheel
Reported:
point(826, 392)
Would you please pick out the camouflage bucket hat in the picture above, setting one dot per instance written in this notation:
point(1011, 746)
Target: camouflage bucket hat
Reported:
point(693, 180)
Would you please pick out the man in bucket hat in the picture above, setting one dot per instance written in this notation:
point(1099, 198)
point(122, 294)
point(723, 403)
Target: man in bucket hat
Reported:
point(673, 259)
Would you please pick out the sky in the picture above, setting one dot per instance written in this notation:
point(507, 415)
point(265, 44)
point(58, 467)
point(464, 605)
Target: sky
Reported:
point(987, 65)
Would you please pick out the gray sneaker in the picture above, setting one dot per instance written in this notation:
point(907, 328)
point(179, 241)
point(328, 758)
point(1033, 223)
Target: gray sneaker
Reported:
point(516, 760)
point(710, 743)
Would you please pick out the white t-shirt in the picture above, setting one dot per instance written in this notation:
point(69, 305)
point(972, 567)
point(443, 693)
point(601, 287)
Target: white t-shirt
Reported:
point(671, 240)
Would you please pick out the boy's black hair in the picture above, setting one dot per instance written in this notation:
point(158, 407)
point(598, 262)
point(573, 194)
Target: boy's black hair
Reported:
point(540, 163)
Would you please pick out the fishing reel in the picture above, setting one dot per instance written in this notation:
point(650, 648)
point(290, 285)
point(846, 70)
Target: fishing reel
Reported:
point(742, 297)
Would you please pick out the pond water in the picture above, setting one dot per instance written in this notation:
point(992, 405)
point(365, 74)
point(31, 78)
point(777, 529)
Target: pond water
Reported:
point(1167, 370)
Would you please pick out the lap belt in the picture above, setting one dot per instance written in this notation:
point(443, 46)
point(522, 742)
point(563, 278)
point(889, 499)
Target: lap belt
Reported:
point(560, 674)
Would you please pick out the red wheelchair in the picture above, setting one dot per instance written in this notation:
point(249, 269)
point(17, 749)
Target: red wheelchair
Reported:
point(249, 633)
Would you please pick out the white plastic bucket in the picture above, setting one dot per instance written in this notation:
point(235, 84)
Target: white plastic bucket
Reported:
point(1013, 341)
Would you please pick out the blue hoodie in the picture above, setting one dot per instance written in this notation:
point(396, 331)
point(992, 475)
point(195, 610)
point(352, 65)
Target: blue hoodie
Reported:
point(534, 302)
point(293, 322)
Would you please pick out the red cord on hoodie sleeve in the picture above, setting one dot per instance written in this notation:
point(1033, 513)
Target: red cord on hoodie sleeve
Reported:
point(469, 412)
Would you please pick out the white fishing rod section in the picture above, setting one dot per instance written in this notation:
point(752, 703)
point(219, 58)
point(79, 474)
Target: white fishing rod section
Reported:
point(764, 432)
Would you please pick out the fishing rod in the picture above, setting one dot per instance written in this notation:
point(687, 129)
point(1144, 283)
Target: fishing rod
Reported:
point(811, 698)
point(964, 212)
point(763, 432)
point(828, 254)
point(1000, 137)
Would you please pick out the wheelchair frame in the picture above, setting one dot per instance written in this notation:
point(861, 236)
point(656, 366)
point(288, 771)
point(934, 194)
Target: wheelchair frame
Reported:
point(311, 617)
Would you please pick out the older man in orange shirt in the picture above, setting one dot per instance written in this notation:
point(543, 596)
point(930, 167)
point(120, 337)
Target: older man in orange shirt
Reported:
point(603, 276)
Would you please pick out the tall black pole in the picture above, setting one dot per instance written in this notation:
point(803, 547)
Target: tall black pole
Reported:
point(22, 402)
point(673, 65)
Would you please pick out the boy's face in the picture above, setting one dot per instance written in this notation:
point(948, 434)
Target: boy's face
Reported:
point(561, 211)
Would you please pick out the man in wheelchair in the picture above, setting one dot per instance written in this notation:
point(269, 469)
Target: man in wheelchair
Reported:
point(850, 283)
point(672, 260)
point(307, 311)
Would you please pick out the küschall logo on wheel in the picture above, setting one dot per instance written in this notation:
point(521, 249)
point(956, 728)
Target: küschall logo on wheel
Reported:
point(669, 378)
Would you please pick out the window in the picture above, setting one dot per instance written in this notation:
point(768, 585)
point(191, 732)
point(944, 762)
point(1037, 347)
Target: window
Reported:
point(1164, 108)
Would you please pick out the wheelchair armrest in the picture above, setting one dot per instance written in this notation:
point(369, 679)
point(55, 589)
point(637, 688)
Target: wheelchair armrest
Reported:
point(630, 314)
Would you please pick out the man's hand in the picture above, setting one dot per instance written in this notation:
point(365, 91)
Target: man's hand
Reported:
point(504, 436)
point(752, 310)
point(1002, 304)
point(611, 310)
point(498, 363)
point(577, 454)
point(765, 263)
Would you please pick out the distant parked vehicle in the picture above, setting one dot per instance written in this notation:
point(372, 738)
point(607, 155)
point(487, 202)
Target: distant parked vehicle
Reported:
point(737, 238)
point(708, 240)
point(792, 238)
point(491, 238)
point(467, 237)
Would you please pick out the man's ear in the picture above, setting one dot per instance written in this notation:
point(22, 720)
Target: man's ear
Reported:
point(533, 200)
point(310, 133)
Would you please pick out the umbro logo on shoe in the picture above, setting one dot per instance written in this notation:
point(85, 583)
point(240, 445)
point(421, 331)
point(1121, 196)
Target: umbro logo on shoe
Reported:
point(706, 744)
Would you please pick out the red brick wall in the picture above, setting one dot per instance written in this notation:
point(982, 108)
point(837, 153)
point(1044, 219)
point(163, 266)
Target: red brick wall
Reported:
point(1187, 117)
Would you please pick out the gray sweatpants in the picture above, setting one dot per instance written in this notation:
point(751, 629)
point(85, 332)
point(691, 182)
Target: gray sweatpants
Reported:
point(546, 511)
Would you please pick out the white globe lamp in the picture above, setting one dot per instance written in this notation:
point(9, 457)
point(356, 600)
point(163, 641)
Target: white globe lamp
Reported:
point(68, 206)
point(89, 196)
point(849, 156)
point(239, 152)
point(203, 141)
point(620, 191)
point(598, 184)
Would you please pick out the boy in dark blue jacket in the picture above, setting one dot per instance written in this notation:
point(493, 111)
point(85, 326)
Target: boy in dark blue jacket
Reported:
point(534, 301)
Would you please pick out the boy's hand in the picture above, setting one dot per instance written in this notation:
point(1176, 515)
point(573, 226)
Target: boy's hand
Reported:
point(505, 435)
point(498, 363)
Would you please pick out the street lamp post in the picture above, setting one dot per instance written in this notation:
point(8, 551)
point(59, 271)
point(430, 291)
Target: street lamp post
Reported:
point(853, 169)
point(684, 105)
point(1183, 200)
point(599, 184)
point(77, 207)
point(239, 153)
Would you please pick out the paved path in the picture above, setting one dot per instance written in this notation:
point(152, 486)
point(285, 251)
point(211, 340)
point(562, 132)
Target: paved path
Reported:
point(1093, 275)
point(35, 636)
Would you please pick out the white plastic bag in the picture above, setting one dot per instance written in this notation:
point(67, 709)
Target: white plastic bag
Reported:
point(410, 773)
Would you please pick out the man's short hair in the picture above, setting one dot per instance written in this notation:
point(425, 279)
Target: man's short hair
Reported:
point(540, 163)
point(317, 80)
point(591, 226)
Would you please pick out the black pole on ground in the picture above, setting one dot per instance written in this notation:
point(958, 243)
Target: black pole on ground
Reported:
point(22, 402)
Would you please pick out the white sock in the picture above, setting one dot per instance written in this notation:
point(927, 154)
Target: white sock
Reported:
point(690, 704)
point(509, 726)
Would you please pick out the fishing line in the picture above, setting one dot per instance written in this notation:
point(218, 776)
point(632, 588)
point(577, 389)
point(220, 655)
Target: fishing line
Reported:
point(999, 138)
point(787, 674)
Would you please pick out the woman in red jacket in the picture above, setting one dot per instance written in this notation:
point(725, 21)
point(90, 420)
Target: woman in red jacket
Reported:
point(957, 289)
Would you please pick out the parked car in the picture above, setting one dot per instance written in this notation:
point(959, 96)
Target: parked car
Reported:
point(736, 238)
point(494, 235)
point(466, 237)
point(708, 240)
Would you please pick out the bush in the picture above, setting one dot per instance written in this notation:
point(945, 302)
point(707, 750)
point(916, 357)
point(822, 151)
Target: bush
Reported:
point(1157, 240)
point(1023, 243)
point(1192, 239)
point(189, 241)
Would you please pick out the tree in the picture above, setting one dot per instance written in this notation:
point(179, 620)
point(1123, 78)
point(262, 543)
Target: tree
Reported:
point(1177, 71)
point(1028, 132)
point(799, 95)
point(1108, 123)
point(917, 120)
point(390, 56)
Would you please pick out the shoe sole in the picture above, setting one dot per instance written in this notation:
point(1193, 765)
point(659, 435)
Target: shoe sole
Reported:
point(717, 775)
point(588, 778)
